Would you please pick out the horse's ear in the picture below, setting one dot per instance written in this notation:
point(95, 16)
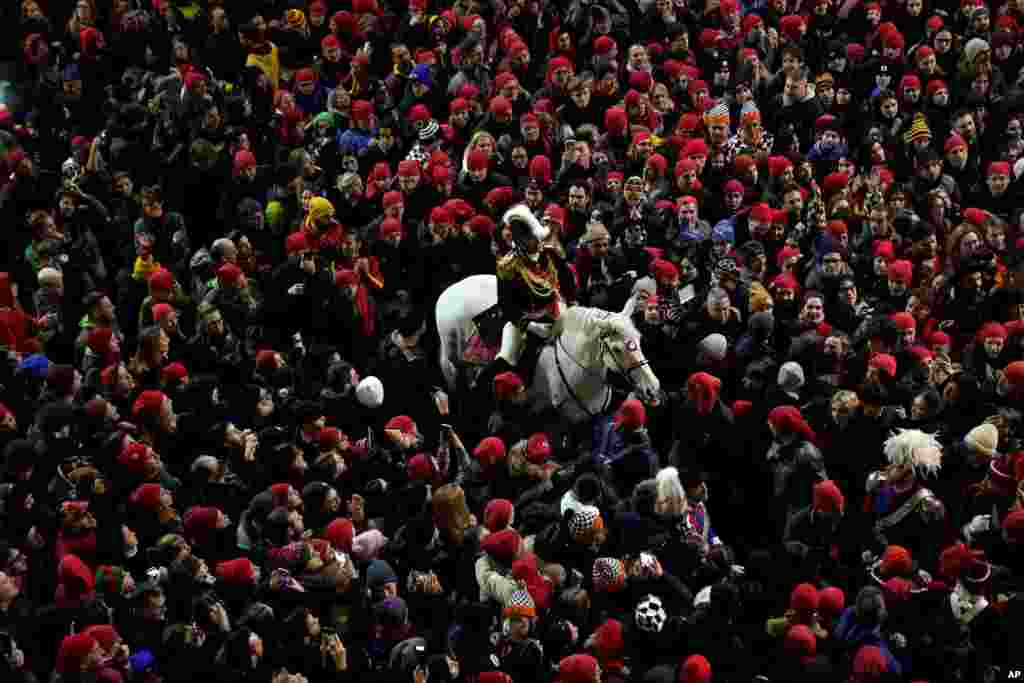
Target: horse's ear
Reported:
point(630, 307)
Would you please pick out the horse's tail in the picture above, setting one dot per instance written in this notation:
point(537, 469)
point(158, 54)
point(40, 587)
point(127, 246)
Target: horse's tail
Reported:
point(448, 348)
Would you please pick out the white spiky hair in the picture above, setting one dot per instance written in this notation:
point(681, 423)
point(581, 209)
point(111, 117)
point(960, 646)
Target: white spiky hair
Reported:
point(669, 485)
point(916, 449)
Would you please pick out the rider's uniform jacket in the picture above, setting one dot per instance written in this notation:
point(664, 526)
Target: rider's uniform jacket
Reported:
point(529, 291)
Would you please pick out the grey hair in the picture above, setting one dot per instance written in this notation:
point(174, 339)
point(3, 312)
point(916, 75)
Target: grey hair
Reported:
point(48, 276)
point(718, 295)
point(219, 247)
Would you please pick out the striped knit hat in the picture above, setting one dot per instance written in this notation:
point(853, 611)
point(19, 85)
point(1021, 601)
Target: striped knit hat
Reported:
point(717, 115)
point(919, 129)
point(609, 575)
point(520, 606)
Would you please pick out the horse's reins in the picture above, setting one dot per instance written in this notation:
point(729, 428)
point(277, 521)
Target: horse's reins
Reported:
point(568, 387)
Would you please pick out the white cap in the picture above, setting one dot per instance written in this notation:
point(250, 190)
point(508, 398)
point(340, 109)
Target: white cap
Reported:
point(370, 392)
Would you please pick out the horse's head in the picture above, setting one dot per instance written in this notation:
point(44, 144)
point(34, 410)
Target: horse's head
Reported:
point(621, 353)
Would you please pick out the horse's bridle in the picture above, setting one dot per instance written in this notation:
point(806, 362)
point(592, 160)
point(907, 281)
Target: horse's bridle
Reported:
point(625, 372)
point(605, 350)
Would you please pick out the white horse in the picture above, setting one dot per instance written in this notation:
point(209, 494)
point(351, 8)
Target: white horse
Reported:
point(572, 369)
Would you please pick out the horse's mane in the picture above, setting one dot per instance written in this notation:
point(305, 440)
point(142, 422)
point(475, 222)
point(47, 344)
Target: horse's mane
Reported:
point(580, 320)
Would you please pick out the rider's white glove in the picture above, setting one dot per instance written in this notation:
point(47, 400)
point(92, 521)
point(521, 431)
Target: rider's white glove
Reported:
point(296, 289)
point(979, 525)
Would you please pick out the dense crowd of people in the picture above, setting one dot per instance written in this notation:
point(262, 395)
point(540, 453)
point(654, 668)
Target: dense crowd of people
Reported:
point(230, 451)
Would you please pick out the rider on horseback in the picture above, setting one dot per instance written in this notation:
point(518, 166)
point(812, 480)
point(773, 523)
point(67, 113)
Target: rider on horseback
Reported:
point(534, 285)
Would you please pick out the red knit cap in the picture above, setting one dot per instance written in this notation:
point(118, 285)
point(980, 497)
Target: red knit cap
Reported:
point(616, 120)
point(490, 451)
point(500, 106)
point(340, 533)
point(901, 271)
point(741, 408)
point(976, 217)
point(904, 321)
point(664, 271)
point(828, 497)
point(329, 438)
point(498, 514)
point(804, 597)
point(407, 168)
point(174, 372)
point(538, 448)
point(401, 423)
point(801, 642)
point(238, 571)
point(420, 468)
point(507, 384)
point(390, 226)
point(160, 311)
point(478, 160)
point(884, 249)
point(229, 274)
point(133, 457)
point(1013, 525)
point(777, 165)
point(884, 363)
point(834, 182)
point(149, 402)
point(74, 649)
point(991, 330)
point(346, 277)
point(631, 415)
point(954, 142)
point(394, 197)
point(831, 601)
point(896, 561)
point(998, 168)
point(503, 545)
point(147, 496)
point(696, 669)
point(105, 634)
point(161, 279)
point(603, 45)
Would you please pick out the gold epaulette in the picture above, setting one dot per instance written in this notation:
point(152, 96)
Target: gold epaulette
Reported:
point(508, 266)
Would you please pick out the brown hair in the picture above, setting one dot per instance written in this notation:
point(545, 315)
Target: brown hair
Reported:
point(451, 514)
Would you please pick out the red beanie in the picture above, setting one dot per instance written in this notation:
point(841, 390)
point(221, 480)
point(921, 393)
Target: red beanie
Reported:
point(885, 363)
point(538, 448)
point(503, 545)
point(801, 642)
point(149, 402)
point(147, 496)
point(696, 669)
point(804, 597)
point(828, 497)
point(904, 321)
point(237, 571)
point(869, 664)
point(490, 451)
point(73, 649)
point(901, 271)
point(340, 533)
point(498, 514)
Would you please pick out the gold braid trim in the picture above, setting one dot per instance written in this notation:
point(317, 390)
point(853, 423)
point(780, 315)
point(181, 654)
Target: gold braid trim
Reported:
point(542, 284)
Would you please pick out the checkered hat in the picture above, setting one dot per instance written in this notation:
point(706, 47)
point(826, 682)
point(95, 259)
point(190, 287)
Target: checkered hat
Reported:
point(521, 605)
point(586, 518)
point(650, 614)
